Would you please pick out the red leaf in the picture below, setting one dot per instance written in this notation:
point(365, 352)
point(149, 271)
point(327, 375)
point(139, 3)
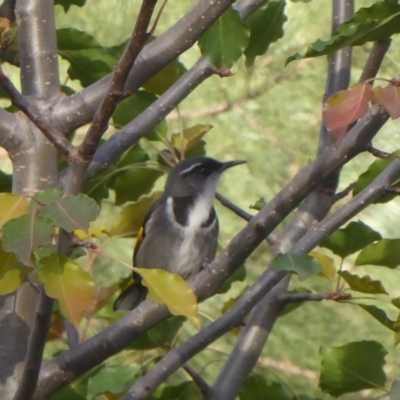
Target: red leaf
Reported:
point(388, 97)
point(346, 106)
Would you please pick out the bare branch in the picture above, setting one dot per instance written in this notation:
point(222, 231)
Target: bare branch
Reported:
point(37, 341)
point(377, 153)
point(345, 192)
point(154, 57)
point(72, 363)
point(287, 298)
point(233, 207)
point(34, 114)
point(376, 56)
point(38, 48)
point(116, 91)
point(205, 389)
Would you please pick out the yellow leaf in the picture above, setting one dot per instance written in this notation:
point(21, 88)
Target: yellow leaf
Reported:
point(12, 206)
point(92, 233)
point(132, 216)
point(67, 282)
point(12, 272)
point(328, 269)
point(172, 291)
point(189, 137)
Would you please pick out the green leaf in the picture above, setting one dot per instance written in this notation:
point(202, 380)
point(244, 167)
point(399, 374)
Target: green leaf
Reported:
point(378, 314)
point(363, 284)
point(164, 79)
point(223, 44)
point(189, 137)
point(72, 212)
point(259, 386)
point(354, 237)
point(89, 61)
point(66, 4)
point(44, 197)
point(184, 391)
point(396, 302)
point(328, 269)
point(259, 204)
point(303, 265)
point(158, 336)
point(375, 169)
point(67, 282)
point(131, 107)
point(266, 27)
point(132, 216)
point(12, 272)
point(352, 367)
point(379, 21)
point(111, 379)
point(385, 252)
point(5, 182)
point(23, 235)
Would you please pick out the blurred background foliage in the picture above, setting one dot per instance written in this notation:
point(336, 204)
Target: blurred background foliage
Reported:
point(269, 115)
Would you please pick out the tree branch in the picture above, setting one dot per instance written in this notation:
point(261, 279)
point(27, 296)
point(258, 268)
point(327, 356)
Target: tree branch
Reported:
point(78, 109)
point(205, 389)
point(233, 207)
point(37, 341)
point(72, 363)
point(38, 48)
point(288, 298)
point(375, 58)
point(116, 91)
point(35, 115)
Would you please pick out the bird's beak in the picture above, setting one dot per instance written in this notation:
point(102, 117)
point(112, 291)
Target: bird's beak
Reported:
point(230, 164)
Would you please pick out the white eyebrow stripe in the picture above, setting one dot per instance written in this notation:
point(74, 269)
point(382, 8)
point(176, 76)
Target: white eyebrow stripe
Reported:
point(189, 168)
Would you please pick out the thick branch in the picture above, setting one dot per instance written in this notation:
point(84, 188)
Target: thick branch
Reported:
point(79, 109)
point(35, 115)
point(37, 48)
point(375, 58)
point(115, 93)
point(66, 367)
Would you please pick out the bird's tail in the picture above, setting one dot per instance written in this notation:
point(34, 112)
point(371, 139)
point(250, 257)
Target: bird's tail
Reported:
point(131, 297)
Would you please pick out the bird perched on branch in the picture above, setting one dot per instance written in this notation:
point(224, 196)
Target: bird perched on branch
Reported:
point(180, 231)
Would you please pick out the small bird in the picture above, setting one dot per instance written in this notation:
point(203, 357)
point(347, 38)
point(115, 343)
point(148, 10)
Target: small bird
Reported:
point(180, 230)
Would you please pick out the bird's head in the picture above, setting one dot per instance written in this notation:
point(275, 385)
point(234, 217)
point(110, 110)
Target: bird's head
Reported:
point(195, 176)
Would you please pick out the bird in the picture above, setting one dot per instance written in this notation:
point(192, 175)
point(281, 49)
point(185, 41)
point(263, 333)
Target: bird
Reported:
point(180, 231)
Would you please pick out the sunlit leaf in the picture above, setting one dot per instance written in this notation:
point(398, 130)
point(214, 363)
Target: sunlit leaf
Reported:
point(303, 265)
point(171, 290)
point(67, 282)
point(132, 216)
point(328, 269)
point(388, 97)
point(91, 233)
point(347, 106)
point(266, 27)
point(352, 367)
point(224, 43)
point(23, 235)
point(259, 204)
point(354, 237)
point(12, 272)
point(12, 206)
point(385, 252)
point(103, 296)
point(189, 137)
point(72, 212)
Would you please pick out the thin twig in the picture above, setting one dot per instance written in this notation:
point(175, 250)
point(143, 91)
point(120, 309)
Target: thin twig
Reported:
point(233, 207)
point(116, 91)
point(33, 113)
point(287, 298)
point(205, 389)
point(345, 192)
point(378, 153)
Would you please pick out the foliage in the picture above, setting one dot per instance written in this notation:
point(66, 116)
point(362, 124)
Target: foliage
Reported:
point(84, 279)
